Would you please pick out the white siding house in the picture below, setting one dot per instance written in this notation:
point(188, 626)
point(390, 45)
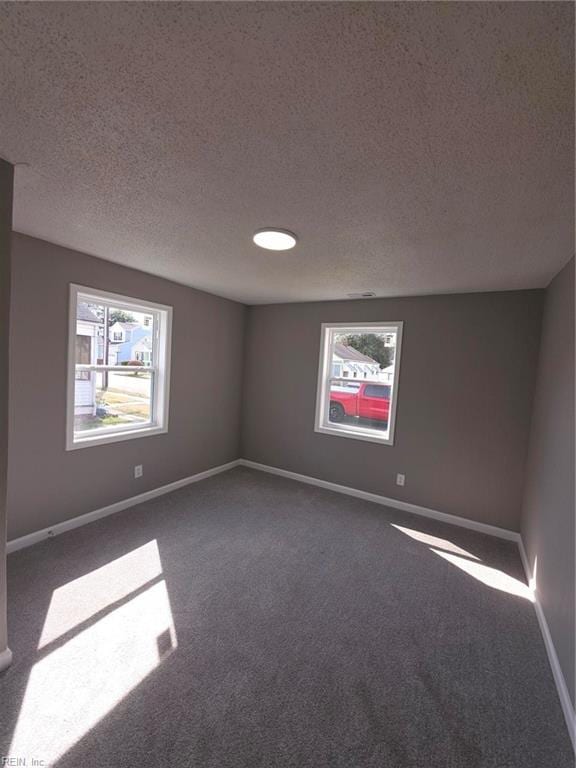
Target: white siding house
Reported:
point(349, 363)
point(142, 350)
point(87, 337)
point(387, 375)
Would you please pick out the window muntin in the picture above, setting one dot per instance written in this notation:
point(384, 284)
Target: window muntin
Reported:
point(358, 380)
point(118, 390)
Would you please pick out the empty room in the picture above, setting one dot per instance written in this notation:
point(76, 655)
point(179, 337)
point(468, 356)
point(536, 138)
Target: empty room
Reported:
point(287, 384)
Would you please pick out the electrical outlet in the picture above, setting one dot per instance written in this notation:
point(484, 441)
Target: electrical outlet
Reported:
point(400, 479)
point(138, 470)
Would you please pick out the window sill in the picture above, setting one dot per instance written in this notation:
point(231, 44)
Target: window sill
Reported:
point(355, 434)
point(114, 437)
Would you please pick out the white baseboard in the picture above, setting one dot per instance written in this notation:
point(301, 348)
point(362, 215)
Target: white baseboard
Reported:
point(89, 517)
point(405, 506)
point(561, 687)
point(5, 659)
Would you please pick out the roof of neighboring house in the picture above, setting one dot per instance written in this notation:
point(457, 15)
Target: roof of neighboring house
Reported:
point(345, 352)
point(145, 341)
point(128, 326)
point(85, 314)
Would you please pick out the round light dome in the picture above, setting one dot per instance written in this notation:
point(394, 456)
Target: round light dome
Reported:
point(275, 239)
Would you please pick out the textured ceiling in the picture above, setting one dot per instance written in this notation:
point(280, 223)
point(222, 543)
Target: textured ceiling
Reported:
point(413, 147)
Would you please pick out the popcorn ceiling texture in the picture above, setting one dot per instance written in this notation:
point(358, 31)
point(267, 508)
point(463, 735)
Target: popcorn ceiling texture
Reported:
point(414, 147)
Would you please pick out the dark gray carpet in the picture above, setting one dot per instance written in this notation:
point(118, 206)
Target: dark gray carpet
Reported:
point(310, 633)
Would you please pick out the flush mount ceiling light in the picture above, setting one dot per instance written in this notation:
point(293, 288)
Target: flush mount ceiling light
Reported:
point(274, 239)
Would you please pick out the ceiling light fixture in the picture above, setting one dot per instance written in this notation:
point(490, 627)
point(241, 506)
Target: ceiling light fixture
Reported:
point(275, 239)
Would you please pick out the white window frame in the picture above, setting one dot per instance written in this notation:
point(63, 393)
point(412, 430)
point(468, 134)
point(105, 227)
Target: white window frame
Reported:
point(160, 380)
point(322, 423)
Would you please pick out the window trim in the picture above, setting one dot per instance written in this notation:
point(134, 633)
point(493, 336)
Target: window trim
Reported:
point(324, 369)
point(160, 381)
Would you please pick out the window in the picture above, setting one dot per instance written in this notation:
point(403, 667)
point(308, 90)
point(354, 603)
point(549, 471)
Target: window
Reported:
point(116, 393)
point(377, 390)
point(117, 335)
point(365, 409)
point(83, 355)
point(144, 357)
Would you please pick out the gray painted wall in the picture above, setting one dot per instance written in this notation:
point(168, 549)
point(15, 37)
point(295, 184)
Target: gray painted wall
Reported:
point(549, 504)
point(47, 484)
point(466, 387)
point(6, 189)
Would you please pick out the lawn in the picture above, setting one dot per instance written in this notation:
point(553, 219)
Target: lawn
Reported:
point(121, 408)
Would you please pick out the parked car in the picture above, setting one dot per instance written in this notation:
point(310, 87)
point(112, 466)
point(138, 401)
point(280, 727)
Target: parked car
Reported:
point(365, 400)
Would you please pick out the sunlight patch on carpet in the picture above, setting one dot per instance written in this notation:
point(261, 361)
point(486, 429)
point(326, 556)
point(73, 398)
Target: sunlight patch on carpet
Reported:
point(434, 541)
point(491, 577)
point(77, 601)
point(80, 681)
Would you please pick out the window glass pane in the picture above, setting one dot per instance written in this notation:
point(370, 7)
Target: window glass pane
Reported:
point(360, 378)
point(130, 336)
point(113, 399)
point(89, 332)
point(89, 312)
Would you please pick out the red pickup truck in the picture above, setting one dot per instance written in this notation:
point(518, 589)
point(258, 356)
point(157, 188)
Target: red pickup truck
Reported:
point(365, 400)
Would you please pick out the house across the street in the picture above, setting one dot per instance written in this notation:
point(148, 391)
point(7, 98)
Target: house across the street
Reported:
point(142, 350)
point(123, 338)
point(349, 363)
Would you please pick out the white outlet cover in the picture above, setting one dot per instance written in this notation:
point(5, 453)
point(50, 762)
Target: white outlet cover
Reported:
point(400, 479)
point(138, 470)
